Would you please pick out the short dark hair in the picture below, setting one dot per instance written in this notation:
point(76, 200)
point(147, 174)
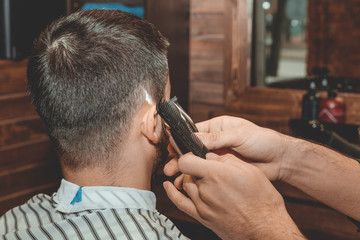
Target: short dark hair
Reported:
point(87, 77)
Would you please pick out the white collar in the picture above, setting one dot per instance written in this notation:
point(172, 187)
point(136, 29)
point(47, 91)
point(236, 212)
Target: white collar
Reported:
point(73, 198)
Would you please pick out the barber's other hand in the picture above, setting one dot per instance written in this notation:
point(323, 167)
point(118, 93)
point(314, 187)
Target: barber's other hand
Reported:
point(231, 197)
point(170, 168)
point(262, 147)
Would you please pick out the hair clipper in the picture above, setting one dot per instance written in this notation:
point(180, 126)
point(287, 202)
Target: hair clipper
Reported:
point(180, 129)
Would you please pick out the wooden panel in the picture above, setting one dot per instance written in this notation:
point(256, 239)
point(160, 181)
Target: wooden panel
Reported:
point(321, 223)
point(352, 103)
point(206, 64)
point(202, 112)
point(29, 176)
point(12, 77)
point(217, 42)
point(273, 108)
point(206, 77)
point(261, 105)
point(333, 35)
point(236, 48)
point(207, 20)
point(269, 102)
point(214, 74)
point(21, 129)
point(28, 164)
point(15, 106)
point(207, 50)
point(207, 6)
point(316, 220)
point(207, 24)
point(275, 96)
point(171, 17)
point(33, 152)
point(209, 93)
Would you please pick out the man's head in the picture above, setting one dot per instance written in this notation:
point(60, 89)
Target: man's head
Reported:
point(89, 74)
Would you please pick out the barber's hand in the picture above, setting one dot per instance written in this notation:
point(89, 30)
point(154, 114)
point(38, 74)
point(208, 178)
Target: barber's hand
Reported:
point(262, 147)
point(259, 146)
point(170, 168)
point(231, 197)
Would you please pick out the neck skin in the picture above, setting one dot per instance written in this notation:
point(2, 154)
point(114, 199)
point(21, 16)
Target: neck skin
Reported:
point(133, 165)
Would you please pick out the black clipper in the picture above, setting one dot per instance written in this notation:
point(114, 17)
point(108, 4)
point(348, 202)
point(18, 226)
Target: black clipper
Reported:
point(180, 129)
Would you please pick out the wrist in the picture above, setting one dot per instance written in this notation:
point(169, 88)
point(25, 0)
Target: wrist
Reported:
point(278, 225)
point(297, 161)
point(287, 163)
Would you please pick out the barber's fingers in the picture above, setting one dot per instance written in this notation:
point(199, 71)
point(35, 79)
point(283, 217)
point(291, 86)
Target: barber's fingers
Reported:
point(179, 181)
point(200, 168)
point(171, 168)
point(220, 139)
point(205, 126)
point(217, 124)
point(191, 188)
point(212, 156)
point(228, 158)
point(182, 202)
point(193, 165)
point(222, 123)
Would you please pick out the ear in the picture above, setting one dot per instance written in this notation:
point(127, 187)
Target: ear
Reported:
point(151, 125)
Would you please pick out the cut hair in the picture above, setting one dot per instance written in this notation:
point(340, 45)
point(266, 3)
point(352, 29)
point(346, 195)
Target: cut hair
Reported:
point(87, 77)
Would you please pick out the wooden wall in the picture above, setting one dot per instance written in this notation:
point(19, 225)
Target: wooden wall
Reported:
point(333, 31)
point(27, 163)
point(171, 17)
point(215, 75)
point(207, 56)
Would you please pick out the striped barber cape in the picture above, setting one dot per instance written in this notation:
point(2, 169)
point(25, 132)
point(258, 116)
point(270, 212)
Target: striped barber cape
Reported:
point(75, 212)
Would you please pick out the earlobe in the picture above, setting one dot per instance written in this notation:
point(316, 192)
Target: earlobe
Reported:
point(151, 125)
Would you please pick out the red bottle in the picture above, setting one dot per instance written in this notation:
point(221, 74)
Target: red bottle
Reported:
point(332, 108)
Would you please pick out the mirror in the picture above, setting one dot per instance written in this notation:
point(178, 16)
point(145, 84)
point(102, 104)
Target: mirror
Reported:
point(299, 39)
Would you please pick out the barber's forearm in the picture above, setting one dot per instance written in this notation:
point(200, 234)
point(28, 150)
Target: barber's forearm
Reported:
point(277, 226)
point(325, 175)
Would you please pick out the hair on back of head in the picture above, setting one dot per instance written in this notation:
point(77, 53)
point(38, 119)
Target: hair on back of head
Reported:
point(86, 79)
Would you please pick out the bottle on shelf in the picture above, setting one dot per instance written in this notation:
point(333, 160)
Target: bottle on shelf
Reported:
point(324, 74)
point(310, 103)
point(332, 108)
